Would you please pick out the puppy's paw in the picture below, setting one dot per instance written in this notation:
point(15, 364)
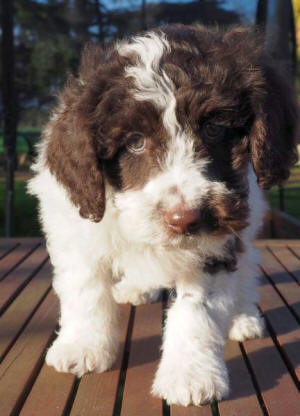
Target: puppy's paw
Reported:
point(124, 292)
point(193, 387)
point(78, 358)
point(246, 327)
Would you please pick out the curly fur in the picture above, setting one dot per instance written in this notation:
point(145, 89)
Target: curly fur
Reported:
point(103, 206)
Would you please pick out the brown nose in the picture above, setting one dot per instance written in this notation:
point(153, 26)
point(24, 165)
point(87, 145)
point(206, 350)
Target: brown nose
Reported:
point(183, 220)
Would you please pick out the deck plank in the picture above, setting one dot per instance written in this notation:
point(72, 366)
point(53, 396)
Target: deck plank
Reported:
point(28, 387)
point(143, 361)
point(284, 324)
point(6, 246)
point(288, 259)
point(295, 249)
point(97, 393)
point(19, 367)
point(242, 399)
point(16, 256)
point(190, 410)
point(277, 388)
point(296, 253)
point(277, 242)
point(15, 317)
point(284, 283)
point(50, 393)
point(20, 276)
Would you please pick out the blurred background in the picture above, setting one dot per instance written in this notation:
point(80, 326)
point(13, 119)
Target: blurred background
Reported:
point(41, 42)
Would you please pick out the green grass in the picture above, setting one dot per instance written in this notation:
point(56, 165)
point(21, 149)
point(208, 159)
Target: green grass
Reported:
point(292, 200)
point(291, 192)
point(21, 144)
point(26, 217)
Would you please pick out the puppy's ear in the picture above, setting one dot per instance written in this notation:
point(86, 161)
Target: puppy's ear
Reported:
point(273, 133)
point(71, 154)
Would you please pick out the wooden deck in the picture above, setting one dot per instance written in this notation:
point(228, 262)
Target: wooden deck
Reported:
point(264, 373)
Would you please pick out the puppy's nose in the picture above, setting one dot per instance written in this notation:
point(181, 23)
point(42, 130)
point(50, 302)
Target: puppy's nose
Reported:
point(183, 220)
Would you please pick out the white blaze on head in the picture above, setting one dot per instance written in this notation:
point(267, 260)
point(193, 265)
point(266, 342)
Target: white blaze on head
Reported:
point(181, 170)
point(151, 81)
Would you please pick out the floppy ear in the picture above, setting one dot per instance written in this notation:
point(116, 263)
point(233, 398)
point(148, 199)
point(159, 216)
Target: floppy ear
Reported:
point(71, 154)
point(273, 133)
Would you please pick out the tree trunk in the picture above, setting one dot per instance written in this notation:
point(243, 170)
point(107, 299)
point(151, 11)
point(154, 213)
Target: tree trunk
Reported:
point(99, 20)
point(9, 108)
point(81, 22)
point(279, 33)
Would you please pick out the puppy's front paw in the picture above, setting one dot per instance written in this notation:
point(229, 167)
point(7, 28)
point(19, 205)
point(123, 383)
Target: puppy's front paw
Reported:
point(190, 387)
point(246, 327)
point(78, 358)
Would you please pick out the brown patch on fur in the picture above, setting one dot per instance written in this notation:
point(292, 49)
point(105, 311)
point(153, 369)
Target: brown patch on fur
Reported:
point(130, 170)
point(71, 152)
point(232, 72)
point(229, 211)
point(273, 133)
point(228, 262)
point(88, 138)
point(217, 77)
point(229, 80)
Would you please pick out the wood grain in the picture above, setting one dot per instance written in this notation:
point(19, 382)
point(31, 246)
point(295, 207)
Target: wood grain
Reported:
point(283, 323)
point(15, 317)
point(242, 399)
point(13, 258)
point(283, 282)
point(16, 280)
point(143, 361)
point(29, 312)
point(97, 393)
point(277, 388)
point(288, 259)
point(21, 364)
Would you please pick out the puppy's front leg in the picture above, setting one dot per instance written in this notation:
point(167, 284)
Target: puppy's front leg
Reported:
point(88, 335)
point(192, 370)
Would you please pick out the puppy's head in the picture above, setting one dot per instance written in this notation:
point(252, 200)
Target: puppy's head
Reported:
point(171, 121)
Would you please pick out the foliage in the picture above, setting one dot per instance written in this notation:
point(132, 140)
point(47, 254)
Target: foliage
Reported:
point(26, 138)
point(49, 35)
point(292, 198)
point(291, 194)
point(25, 213)
point(296, 6)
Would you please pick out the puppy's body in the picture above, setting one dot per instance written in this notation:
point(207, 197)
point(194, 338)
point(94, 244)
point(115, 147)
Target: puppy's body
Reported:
point(164, 126)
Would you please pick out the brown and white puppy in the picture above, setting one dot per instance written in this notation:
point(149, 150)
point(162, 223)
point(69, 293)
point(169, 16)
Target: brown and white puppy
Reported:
point(149, 176)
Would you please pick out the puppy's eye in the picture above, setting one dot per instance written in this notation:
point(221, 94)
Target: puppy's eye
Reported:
point(136, 143)
point(213, 132)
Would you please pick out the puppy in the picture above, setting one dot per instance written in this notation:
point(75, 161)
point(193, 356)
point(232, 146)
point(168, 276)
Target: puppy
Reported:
point(149, 177)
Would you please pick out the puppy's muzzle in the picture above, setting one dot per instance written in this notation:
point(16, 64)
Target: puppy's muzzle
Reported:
point(183, 220)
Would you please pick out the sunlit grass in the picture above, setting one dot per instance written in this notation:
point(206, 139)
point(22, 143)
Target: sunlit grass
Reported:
point(25, 212)
point(291, 194)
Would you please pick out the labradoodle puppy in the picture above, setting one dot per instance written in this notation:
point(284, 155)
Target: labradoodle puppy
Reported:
point(149, 176)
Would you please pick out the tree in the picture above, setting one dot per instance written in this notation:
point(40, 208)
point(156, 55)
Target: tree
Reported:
point(49, 36)
point(9, 106)
point(296, 6)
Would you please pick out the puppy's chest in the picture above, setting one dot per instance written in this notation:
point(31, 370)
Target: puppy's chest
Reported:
point(143, 267)
point(164, 267)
